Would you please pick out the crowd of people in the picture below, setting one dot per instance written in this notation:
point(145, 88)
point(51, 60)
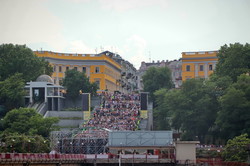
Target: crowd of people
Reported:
point(118, 111)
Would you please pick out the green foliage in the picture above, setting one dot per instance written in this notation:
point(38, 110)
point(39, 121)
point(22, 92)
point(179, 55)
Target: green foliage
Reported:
point(20, 59)
point(75, 82)
point(208, 153)
point(26, 131)
point(217, 108)
point(191, 109)
point(161, 112)
point(233, 60)
point(235, 105)
point(21, 143)
point(28, 121)
point(157, 78)
point(236, 149)
point(11, 92)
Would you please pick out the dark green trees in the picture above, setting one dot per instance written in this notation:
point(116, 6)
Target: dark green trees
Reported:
point(18, 64)
point(157, 78)
point(24, 130)
point(75, 82)
point(192, 109)
point(12, 92)
point(216, 109)
point(237, 149)
point(20, 59)
point(234, 117)
point(233, 60)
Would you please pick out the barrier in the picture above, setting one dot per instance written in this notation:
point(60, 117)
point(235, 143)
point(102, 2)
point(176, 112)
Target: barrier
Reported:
point(102, 156)
point(45, 157)
point(152, 156)
point(127, 156)
point(90, 156)
point(140, 156)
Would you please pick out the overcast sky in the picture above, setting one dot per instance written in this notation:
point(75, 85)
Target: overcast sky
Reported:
point(138, 30)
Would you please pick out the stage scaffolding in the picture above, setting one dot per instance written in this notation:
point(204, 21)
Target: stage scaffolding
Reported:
point(80, 142)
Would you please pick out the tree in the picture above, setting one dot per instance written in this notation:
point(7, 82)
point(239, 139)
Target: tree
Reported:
point(11, 93)
point(76, 81)
point(236, 149)
point(20, 59)
point(233, 60)
point(161, 112)
point(191, 109)
point(22, 143)
point(233, 118)
point(157, 78)
point(28, 121)
point(24, 130)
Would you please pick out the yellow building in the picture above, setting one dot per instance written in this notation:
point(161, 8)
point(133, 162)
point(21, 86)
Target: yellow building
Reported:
point(198, 64)
point(100, 68)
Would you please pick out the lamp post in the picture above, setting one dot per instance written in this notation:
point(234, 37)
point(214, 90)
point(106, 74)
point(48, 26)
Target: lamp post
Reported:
point(71, 147)
point(29, 146)
point(13, 141)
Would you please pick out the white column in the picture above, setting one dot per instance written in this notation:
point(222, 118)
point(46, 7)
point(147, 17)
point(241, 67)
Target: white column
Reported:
point(196, 69)
point(31, 95)
point(45, 95)
point(206, 70)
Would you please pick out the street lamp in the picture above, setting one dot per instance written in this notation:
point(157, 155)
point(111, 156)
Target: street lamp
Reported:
point(13, 141)
point(29, 146)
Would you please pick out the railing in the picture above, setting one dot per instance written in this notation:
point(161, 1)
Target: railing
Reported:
point(39, 157)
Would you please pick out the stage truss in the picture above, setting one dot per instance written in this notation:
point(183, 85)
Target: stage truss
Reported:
point(80, 142)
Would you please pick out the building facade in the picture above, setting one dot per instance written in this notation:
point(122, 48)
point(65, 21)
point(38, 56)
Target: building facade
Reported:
point(175, 67)
point(198, 64)
point(127, 81)
point(99, 68)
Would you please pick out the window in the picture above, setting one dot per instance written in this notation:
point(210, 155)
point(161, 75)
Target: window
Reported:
point(67, 68)
point(60, 68)
point(97, 70)
point(201, 67)
point(210, 67)
point(188, 68)
point(84, 69)
point(54, 68)
point(98, 84)
point(75, 68)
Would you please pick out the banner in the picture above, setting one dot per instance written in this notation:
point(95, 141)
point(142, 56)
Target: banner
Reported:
point(144, 114)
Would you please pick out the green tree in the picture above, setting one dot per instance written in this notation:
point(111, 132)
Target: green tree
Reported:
point(28, 121)
point(22, 143)
point(192, 108)
point(157, 78)
point(11, 93)
point(161, 112)
point(236, 149)
point(76, 81)
point(233, 60)
point(233, 118)
point(20, 59)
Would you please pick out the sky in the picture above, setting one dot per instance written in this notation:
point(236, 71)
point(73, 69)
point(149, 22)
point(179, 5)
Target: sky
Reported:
point(138, 30)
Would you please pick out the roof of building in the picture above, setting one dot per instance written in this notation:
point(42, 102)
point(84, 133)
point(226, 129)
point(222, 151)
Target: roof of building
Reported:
point(44, 78)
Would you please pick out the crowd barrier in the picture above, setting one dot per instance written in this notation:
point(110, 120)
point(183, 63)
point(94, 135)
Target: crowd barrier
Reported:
point(40, 156)
point(46, 156)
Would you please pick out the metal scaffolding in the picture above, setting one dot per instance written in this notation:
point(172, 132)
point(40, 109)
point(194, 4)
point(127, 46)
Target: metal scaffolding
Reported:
point(80, 142)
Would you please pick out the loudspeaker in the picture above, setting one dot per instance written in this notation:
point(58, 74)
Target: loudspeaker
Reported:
point(144, 101)
point(85, 101)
